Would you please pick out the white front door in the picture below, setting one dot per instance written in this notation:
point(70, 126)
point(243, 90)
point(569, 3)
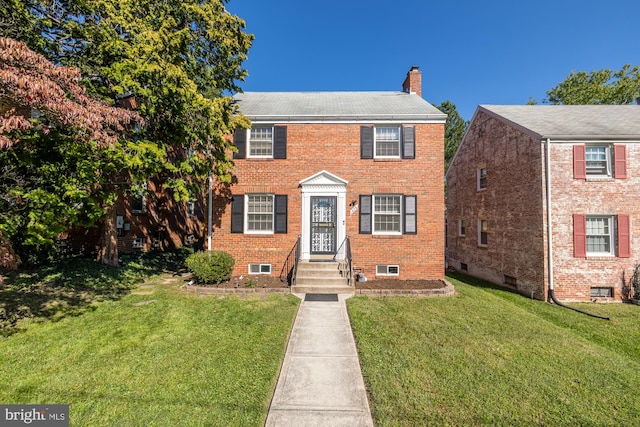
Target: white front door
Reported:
point(323, 215)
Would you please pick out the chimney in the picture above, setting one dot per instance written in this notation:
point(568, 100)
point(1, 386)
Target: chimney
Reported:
point(413, 82)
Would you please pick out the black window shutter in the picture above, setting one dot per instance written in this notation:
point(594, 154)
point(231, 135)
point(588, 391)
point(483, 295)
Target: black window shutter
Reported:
point(237, 214)
point(408, 142)
point(410, 212)
point(365, 214)
point(279, 142)
point(280, 213)
point(366, 142)
point(240, 141)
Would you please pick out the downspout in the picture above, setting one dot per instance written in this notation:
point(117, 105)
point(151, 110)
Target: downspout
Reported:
point(550, 239)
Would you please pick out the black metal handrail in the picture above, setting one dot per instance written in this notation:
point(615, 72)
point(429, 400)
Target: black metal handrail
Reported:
point(346, 264)
point(290, 266)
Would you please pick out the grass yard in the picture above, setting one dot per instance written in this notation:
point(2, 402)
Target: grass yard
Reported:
point(161, 358)
point(489, 357)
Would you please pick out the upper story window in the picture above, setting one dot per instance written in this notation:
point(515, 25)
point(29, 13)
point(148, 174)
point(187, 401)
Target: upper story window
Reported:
point(261, 142)
point(598, 160)
point(387, 141)
point(481, 178)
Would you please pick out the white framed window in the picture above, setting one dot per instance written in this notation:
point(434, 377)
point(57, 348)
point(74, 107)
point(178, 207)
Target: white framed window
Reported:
point(259, 268)
point(598, 159)
point(461, 228)
point(191, 208)
point(600, 235)
point(139, 200)
point(482, 232)
point(259, 213)
point(138, 243)
point(261, 142)
point(387, 142)
point(387, 270)
point(387, 214)
point(481, 178)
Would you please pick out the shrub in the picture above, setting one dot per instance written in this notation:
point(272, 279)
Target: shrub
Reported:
point(210, 267)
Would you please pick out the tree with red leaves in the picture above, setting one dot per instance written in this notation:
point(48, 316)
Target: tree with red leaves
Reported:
point(29, 82)
point(59, 148)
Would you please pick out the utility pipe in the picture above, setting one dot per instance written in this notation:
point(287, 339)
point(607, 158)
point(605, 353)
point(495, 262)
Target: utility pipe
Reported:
point(550, 237)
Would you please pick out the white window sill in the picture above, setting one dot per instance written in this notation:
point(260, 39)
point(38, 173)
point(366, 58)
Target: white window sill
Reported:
point(601, 257)
point(387, 159)
point(599, 179)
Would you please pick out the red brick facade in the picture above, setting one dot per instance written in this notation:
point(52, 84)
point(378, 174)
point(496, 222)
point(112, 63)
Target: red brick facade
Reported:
point(335, 148)
point(514, 204)
point(161, 224)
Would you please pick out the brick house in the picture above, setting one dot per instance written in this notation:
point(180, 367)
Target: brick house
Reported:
point(146, 223)
point(325, 172)
point(543, 197)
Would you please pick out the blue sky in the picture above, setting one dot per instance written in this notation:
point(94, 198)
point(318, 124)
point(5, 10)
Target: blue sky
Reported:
point(470, 52)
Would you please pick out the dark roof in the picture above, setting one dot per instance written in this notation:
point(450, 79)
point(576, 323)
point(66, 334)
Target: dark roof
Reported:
point(571, 122)
point(337, 106)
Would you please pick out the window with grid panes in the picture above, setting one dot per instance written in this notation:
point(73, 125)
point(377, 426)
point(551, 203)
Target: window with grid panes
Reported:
point(260, 213)
point(387, 141)
point(387, 214)
point(598, 158)
point(599, 235)
point(261, 141)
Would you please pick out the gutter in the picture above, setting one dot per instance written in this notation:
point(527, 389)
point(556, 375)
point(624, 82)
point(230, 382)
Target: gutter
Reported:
point(550, 237)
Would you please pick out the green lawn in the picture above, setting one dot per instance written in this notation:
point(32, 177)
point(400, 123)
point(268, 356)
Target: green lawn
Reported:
point(488, 357)
point(179, 359)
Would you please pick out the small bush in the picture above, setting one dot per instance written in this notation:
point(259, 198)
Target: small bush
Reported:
point(210, 267)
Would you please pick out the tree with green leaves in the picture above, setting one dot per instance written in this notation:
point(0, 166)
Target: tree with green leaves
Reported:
point(454, 130)
point(603, 86)
point(180, 61)
point(52, 135)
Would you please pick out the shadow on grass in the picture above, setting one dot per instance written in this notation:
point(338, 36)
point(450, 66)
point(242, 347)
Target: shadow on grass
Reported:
point(73, 286)
point(474, 281)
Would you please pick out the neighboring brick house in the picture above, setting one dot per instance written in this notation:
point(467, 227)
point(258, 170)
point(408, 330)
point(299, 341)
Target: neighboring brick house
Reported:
point(146, 222)
point(532, 180)
point(330, 165)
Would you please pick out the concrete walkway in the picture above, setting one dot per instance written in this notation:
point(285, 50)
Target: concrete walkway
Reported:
point(320, 383)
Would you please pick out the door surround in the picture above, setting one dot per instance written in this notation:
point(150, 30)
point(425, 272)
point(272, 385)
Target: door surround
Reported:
point(323, 183)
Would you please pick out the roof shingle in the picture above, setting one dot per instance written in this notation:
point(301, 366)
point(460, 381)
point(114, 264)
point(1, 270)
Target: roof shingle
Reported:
point(578, 122)
point(337, 106)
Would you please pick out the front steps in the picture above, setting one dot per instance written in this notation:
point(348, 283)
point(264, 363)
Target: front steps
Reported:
point(320, 277)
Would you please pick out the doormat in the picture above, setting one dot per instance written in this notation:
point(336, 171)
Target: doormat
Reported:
point(321, 297)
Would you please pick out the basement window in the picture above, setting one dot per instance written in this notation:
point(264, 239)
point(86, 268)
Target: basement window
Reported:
point(259, 268)
point(463, 266)
point(387, 270)
point(600, 292)
point(509, 280)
